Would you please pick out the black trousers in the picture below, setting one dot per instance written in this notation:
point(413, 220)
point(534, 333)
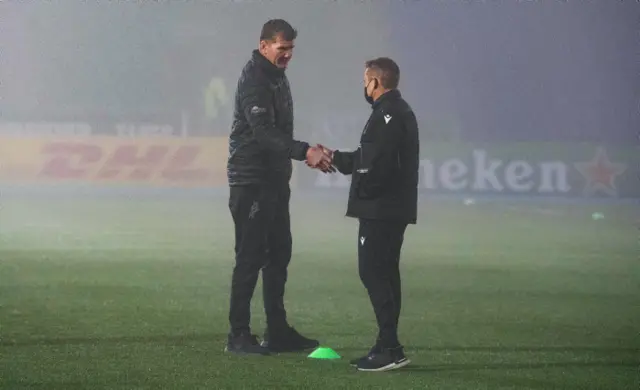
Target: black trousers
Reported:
point(262, 242)
point(379, 247)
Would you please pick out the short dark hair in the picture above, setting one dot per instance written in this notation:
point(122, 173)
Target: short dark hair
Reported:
point(272, 28)
point(387, 70)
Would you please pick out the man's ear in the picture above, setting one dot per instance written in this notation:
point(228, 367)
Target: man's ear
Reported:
point(264, 43)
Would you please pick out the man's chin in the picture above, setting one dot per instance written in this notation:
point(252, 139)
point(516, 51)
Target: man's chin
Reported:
point(282, 64)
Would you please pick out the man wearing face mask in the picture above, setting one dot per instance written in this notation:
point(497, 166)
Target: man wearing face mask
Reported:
point(383, 196)
point(259, 168)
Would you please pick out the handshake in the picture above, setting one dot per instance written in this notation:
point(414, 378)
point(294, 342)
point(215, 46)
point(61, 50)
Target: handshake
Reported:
point(320, 157)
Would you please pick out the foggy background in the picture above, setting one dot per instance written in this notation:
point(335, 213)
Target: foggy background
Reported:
point(116, 241)
point(476, 73)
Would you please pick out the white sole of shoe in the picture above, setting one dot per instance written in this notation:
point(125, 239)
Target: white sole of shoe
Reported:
point(388, 367)
point(263, 353)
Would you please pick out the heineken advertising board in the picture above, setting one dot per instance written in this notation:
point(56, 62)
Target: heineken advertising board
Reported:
point(583, 170)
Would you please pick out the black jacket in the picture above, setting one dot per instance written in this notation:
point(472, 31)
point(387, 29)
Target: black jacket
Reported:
point(261, 143)
point(385, 167)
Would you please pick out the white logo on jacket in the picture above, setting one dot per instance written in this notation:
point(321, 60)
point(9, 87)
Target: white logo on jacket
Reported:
point(257, 110)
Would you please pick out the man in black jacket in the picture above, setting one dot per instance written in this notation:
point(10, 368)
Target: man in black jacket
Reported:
point(261, 146)
point(383, 196)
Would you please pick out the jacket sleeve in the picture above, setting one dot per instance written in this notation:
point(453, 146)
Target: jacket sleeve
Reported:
point(379, 157)
point(344, 161)
point(258, 109)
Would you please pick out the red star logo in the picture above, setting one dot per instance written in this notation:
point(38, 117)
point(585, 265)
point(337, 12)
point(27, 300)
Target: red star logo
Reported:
point(600, 174)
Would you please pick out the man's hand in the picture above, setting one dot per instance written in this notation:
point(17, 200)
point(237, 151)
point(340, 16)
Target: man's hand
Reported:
point(329, 153)
point(326, 150)
point(320, 157)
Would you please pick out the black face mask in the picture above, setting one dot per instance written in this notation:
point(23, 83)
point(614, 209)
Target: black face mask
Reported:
point(368, 98)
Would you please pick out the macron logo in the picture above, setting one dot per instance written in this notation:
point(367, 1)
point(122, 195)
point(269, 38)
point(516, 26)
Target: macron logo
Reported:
point(387, 118)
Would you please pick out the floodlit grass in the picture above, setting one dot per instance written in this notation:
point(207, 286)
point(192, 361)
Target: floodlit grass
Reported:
point(133, 294)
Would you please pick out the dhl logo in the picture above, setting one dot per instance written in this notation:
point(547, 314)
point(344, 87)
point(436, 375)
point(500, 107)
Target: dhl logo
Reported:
point(188, 162)
point(76, 160)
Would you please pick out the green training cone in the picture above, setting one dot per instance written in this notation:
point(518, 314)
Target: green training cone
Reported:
point(324, 353)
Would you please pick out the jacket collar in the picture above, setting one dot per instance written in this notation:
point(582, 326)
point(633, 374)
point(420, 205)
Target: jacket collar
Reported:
point(265, 64)
point(393, 94)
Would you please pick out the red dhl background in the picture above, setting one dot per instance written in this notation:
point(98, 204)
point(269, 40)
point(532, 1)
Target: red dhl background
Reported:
point(153, 161)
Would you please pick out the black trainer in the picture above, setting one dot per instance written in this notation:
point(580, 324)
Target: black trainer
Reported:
point(288, 340)
point(354, 362)
point(245, 343)
point(399, 356)
point(384, 360)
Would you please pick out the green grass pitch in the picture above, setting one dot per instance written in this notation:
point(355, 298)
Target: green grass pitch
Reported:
point(110, 293)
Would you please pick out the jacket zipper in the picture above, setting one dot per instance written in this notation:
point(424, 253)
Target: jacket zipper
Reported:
point(366, 125)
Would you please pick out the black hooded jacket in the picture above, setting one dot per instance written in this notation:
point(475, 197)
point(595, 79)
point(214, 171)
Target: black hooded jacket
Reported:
point(261, 143)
